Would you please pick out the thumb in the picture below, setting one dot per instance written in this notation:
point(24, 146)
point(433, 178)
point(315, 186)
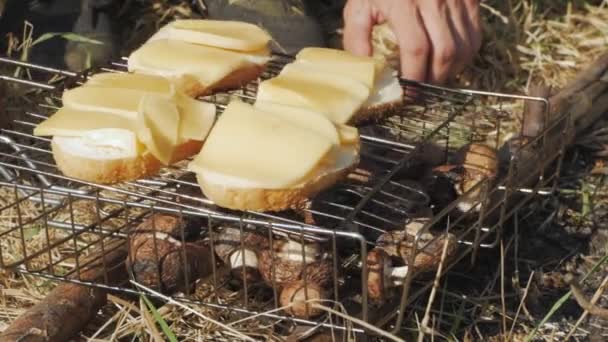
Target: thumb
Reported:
point(358, 23)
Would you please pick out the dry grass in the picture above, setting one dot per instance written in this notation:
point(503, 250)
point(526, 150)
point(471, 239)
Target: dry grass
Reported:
point(545, 40)
point(524, 40)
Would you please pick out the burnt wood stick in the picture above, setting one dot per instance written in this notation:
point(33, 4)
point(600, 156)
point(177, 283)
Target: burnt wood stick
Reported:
point(534, 119)
point(583, 89)
point(68, 308)
point(586, 100)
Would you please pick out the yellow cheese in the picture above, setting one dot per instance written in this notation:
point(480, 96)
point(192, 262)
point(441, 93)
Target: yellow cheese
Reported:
point(250, 147)
point(362, 68)
point(226, 34)
point(168, 58)
point(72, 122)
point(148, 83)
point(304, 118)
point(157, 126)
point(196, 118)
point(118, 101)
point(348, 134)
point(336, 96)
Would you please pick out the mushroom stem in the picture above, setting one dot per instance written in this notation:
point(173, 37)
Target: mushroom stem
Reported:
point(395, 275)
point(293, 251)
point(243, 257)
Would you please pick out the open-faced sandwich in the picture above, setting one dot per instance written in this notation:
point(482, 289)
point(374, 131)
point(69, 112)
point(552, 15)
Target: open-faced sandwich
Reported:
point(348, 89)
point(203, 56)
point(120, 127)
point(271, 157)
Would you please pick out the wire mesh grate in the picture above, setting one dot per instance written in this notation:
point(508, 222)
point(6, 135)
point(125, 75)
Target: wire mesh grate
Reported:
point(58, 220)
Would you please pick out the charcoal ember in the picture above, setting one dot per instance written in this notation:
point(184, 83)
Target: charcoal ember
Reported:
point(159, 259)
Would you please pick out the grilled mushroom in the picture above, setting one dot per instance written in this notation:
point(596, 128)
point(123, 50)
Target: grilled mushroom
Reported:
point(388, 261)
point(240, 250)
point(299, 272)
point(475, 163)
point(159, 259)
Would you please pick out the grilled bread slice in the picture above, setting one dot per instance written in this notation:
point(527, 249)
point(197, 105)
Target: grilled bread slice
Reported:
point(271, 157)
point(348, 89)
point(203, 56)
point(108, 156)
point(123, 127)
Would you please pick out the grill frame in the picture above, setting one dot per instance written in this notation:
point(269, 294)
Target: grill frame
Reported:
point(45, 193)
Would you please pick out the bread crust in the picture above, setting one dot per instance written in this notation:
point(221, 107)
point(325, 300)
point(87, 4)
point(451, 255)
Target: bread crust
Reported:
point(374, 113)
point(259, 199)
point(234, 80)
point(111, 171)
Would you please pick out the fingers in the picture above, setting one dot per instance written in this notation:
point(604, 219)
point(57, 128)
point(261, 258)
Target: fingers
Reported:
point(436, 38)
point(462, 30)
point(474, 24)
point(412, 37)
point(358, 23)
point(445, 52)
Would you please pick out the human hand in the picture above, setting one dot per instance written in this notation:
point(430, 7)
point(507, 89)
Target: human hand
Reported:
point(437, 38)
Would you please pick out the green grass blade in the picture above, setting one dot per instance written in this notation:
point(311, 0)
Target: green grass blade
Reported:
point(163, 325)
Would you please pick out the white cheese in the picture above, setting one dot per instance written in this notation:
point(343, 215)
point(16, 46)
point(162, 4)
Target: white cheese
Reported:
point(103, 144)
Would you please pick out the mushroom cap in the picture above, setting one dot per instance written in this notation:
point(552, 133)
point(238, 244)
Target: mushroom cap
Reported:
point(400, 244)
point(377, 263)
point(297, 293)
point(156, 263)
point(464, 178)
point(163, 223)
point(229, 241)
point(278, 268)
point(481, 158)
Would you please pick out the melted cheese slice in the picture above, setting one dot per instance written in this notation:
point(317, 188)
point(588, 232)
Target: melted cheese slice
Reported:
point(196, 118)
point(69, 122)
point(304, 118)
point(348, 134)
point(157, 126)
point(252, 148)
point(363, 69)
point(148, 83)
point(336, 96)
point(119, 101)
point(225, 34)
point(208, 65)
